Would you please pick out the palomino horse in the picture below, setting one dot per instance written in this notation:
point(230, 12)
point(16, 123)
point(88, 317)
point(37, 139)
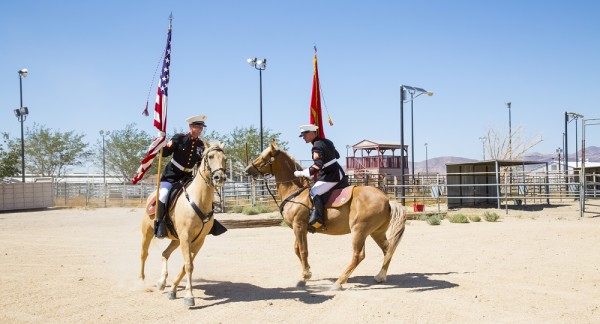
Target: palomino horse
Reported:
point(368, 213)
point(190, 226)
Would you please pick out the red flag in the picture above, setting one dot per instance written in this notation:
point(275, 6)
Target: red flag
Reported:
point(316, 117)
point(160, 114)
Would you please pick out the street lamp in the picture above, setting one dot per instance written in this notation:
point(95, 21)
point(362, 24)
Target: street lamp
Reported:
point(573, 116)
point(347, 148)
point(21, 114)
point(103, 134)
point(426, 161)
point(483, 139)
point(412, 91)
point(260, 65)
point(559, 151)
point(509, 132)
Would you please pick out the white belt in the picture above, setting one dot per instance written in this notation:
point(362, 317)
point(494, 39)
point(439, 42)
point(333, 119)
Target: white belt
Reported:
point(329, 163)
point(180, 167)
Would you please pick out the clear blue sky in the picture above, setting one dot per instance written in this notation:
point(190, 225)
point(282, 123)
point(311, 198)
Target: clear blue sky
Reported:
point(91, 63)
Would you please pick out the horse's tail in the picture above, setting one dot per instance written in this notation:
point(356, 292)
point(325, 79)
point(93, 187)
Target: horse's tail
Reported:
point(396, 228)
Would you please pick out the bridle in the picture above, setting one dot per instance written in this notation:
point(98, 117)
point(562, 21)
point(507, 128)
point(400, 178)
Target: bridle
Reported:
point(208, 168)
point(263, 174)
point(205, 218)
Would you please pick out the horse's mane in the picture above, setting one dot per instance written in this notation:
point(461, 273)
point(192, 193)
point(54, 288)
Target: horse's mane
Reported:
point(297, 165)
point(303, 182)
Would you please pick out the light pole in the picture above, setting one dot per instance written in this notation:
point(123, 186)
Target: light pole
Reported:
point(103, 134)
point(426, 161)
point(347, 148)
point(509, 132)
point(21, 114)
point(573, 116)
point(483, 139)
point(260, 65)
point(412, 91)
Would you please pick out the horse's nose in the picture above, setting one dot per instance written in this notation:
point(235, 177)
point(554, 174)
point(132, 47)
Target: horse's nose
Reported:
point(217, 177)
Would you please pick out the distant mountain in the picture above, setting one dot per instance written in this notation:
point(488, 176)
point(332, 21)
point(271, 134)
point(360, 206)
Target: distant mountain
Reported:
point(438, 164)
point(592, 154)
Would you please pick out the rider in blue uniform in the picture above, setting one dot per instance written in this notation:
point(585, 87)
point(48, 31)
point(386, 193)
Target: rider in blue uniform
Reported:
point(326, 170)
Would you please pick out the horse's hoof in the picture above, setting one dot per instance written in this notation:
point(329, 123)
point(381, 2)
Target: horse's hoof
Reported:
point(335, 287)
point(171, 295)
point(381, 276)
point(189, 301)
point(301, 284)
point(160, 285)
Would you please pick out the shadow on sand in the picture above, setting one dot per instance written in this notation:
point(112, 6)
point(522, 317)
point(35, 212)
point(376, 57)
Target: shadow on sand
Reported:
point(315, 292)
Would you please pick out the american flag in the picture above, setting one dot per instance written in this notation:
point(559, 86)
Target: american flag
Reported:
point(160, 114)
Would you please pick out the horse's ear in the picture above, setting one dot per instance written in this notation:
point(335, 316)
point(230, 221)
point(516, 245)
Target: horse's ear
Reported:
point(222, 146)
point(274, 146)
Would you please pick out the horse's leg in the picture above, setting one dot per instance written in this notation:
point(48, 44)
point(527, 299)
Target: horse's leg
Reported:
point(380, 238)
point(186, 250)
point(162, 281)
point(358, 254)
point(301, 249)
point(195, 248)
point(147, 234)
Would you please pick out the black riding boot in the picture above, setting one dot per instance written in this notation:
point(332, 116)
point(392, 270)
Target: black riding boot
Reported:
point(217, 229)
point(316, 218)
point(160, 230)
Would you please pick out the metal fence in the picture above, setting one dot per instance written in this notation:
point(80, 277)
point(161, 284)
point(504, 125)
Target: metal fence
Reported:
point(513, 188)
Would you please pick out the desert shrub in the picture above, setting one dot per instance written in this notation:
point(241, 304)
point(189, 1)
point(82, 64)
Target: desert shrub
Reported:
point(458, 218)
point(265, 209)
point(248, 210)
point(474, 218)
point(423, 217)
point(237, 209)
point(434, 220)
point(490, 216)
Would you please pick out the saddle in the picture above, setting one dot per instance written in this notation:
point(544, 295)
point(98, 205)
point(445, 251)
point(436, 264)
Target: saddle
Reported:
point(339, 197)
point(174, 193)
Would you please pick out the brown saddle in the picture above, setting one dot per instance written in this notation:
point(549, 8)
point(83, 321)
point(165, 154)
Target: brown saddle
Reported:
point(339, 197)
point(151, 204)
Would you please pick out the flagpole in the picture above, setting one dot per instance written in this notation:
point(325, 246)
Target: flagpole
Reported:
point(158, 171)
point(158, 175)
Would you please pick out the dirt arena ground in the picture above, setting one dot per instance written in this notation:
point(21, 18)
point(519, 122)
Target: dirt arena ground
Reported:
point(81, 266)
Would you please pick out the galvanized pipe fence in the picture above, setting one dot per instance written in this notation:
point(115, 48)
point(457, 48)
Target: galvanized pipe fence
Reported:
point(511, 188)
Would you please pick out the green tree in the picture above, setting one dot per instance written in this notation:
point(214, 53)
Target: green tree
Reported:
point(242, 137)
point(49, 152)
point(123, 151)
point(9, 157)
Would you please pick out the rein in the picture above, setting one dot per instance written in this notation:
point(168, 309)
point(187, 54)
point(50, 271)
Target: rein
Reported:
point(288, 198)
point(205, 218)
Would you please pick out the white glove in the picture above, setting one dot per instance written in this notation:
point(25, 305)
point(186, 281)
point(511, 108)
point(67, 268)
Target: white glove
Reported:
point(303, 173)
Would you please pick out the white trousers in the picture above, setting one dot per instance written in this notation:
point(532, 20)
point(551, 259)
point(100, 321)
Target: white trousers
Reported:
point(163, 192)
point(321, 187)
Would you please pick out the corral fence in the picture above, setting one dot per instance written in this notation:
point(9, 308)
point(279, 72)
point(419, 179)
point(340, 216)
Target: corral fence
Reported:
point(510, 188)
point(514, 189)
